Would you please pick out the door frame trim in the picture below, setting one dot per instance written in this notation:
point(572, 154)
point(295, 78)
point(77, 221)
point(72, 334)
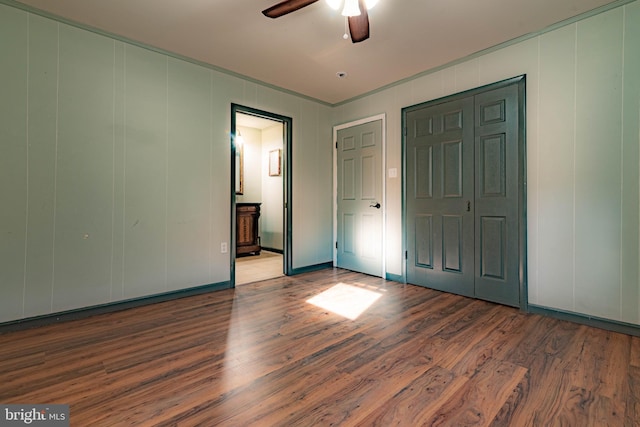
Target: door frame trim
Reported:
point(287, 127)
point(522, 173)
point(336, 128)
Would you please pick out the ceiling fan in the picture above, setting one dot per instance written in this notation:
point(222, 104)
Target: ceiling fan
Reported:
point(354, 10)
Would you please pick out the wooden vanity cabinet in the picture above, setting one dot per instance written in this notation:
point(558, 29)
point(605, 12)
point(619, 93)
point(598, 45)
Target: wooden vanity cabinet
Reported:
point(247, 236)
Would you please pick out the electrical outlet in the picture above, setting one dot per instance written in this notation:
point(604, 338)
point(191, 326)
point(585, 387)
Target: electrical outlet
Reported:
point(223, 247)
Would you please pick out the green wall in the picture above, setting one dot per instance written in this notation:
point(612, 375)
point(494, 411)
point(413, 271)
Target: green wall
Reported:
point(115, 169)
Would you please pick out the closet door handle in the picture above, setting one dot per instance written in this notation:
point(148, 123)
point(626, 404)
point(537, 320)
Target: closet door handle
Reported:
point(468, 205)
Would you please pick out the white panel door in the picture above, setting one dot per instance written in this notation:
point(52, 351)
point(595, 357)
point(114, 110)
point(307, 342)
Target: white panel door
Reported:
point(359, 195)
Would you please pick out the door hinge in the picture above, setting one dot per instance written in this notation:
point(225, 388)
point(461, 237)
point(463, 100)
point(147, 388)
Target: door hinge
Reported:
point(336, 245)
point(406, 254)
point(404, 131)
point(336, 145)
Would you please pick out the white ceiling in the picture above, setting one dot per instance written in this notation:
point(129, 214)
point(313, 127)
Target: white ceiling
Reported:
point(303, 51)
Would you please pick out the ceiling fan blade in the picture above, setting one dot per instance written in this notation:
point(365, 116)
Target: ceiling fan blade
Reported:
point(286, 6)
point(359, 25)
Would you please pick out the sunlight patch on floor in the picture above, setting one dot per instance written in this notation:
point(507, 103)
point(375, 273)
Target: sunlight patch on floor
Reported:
point(345, 300)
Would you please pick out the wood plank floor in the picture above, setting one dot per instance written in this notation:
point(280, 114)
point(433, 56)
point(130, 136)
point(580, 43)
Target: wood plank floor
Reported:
point(261, 355)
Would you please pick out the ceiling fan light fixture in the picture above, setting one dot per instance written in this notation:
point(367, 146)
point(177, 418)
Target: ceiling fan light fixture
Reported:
point(370, 3)
point(351, 8)
point(334, 4)
point(355, 13)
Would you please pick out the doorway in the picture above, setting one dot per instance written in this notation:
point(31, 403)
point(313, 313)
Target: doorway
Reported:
point(261, 184)
point(464, 208)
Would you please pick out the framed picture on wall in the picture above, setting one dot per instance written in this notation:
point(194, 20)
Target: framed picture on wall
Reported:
point(274, 162)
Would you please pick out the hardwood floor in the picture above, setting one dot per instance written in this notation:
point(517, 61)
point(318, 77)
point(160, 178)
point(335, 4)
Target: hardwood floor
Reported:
point(261, 355)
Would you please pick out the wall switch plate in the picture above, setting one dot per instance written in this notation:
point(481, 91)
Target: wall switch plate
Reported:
point(223, 247)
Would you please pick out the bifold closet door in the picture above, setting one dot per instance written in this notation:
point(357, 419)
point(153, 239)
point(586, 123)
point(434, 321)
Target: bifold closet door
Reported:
point(496, 203)
point(463, 184)
point(440, 196)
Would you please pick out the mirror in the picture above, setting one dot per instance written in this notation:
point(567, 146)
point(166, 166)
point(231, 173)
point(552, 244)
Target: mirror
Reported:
point(239, 165)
